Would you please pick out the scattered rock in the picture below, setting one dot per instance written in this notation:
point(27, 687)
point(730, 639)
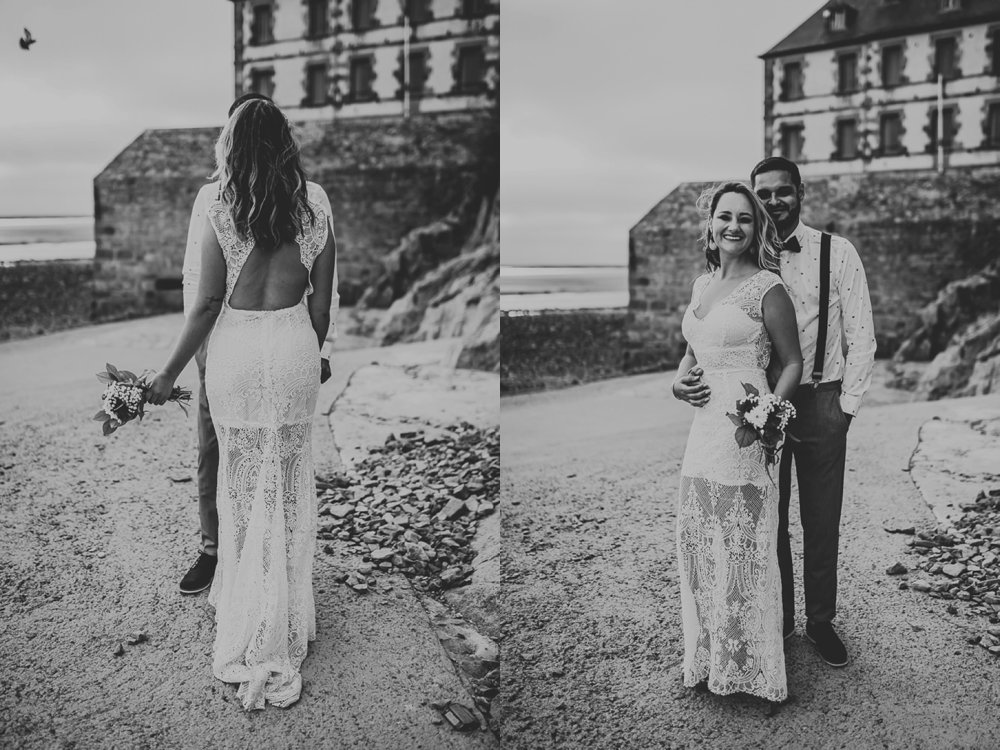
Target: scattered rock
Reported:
point(119, 650)
point(910, 530)
point(136, 638)
point(897, 569)
point(407, 506)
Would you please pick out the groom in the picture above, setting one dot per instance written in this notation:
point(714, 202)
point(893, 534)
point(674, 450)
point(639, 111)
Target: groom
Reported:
point(199, 577)
point(841, 355)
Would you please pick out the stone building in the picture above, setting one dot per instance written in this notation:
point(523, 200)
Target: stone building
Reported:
point(396, 108)
point(331, 59)
point(852, 96)
point(860, 86)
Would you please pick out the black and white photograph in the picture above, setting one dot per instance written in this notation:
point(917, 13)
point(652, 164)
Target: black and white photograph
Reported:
point(249, 426)
point(750, 338)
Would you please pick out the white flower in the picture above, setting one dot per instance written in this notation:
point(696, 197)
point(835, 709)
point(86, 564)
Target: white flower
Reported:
point(757, 416)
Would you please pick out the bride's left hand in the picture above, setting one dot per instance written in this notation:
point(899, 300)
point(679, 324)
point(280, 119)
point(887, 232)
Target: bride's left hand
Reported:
point(159, 389)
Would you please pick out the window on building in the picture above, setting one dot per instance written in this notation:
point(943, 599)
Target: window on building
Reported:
point(791, 81)
point(890, 127)
point(418, 72)
point(947, 5)
point(474, 8)
point(319, 14)
point(839, 20)
point(362, 78)
point(995, 51)
point(847, 139)
point(847, 73)
point(362, 14)
point(892, 65)
point(945, 50)
point(262, 25)
point(947, 131)
point(316, 85)
point(471, 73)
point(262, 82)
point(993, 125)
point(419, 11)
point(792, 140)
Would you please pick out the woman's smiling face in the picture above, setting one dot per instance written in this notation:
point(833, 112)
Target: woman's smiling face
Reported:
point(733, 224)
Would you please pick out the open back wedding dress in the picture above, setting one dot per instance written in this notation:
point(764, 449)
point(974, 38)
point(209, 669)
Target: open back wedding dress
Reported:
point(727, 519)
point(262, 381)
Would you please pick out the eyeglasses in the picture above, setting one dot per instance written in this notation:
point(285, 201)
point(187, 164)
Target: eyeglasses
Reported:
point(786, 191)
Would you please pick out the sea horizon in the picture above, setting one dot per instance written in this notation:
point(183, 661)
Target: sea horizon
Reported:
point(45, 238)
point(536, 288)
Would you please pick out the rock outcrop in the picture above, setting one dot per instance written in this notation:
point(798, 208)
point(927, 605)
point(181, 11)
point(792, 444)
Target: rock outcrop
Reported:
point(957, 306)
point(459, 298)
point(961, 336)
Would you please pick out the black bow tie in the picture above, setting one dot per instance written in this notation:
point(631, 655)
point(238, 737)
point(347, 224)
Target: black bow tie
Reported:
point(791, 245)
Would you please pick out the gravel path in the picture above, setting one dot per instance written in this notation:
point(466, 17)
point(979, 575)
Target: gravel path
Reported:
point(98, 532)
point(591, 598)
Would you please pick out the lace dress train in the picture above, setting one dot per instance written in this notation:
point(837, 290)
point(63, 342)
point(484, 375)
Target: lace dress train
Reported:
point(727, 520)
point(262, 381)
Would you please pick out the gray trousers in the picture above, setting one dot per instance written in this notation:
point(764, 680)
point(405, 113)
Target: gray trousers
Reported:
point(821, 427)
point(208, 463)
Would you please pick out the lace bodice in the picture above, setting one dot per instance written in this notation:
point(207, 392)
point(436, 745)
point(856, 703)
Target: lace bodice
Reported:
point(731, 335)
point(311, 240)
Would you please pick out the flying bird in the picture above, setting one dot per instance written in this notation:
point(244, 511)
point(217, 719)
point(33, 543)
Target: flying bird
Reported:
point(27, 40)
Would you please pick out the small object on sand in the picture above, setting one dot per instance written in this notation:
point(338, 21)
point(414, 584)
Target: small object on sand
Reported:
point(459, 717)
point(27, 40)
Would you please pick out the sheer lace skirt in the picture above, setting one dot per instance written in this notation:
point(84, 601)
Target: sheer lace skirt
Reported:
point(727, 532)
point(262, 381)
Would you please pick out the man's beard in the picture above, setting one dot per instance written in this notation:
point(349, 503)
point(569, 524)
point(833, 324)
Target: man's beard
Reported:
point(787, 225)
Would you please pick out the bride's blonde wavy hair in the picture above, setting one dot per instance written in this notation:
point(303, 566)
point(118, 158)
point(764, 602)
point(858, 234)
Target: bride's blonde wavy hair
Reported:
point(260, 174)
point(764, 248)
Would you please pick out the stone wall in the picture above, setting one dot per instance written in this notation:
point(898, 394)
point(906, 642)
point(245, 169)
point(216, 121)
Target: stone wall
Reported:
point(556, 348)
point(384, 177)
point(915, 232)
point(37, 298)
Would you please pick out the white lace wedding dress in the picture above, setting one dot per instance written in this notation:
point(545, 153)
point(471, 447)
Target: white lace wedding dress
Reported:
point(262, 381)
point(727, 520)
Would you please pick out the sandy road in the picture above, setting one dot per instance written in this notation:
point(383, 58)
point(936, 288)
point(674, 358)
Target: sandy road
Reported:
point(591, 594)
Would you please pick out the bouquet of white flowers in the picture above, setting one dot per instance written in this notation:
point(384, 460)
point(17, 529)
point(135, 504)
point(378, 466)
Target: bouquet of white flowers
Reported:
point(124, 399)
point(762, 419)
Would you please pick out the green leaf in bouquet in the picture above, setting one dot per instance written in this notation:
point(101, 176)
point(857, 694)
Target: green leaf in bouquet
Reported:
point(101, 416)
point(751, 391)
point(130, 376)
point(113, 372)
point(735, 419)
point(745, 436)
point(105, 378)
point(108, 428)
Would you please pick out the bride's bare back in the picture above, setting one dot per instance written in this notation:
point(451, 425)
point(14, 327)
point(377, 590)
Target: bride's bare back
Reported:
point(271, 279)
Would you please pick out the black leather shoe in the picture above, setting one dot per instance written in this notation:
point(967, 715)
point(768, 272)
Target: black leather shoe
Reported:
point(828, 644)
point(200, 576)
point(788, 630)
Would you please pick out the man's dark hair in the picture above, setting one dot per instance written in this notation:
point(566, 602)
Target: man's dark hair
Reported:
point(777, 164)
point(245, 98)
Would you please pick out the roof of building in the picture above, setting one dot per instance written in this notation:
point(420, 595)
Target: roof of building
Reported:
point(879, 19)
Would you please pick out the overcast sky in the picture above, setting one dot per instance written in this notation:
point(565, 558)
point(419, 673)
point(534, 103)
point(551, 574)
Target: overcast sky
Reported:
point(101, 72)
point(606, 107)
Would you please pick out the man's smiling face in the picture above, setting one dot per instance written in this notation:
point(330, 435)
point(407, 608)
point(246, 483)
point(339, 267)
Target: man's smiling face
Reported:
point(781, 197)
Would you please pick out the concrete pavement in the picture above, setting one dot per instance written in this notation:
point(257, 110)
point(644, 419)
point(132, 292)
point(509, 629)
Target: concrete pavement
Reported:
point(98, 532)
point(591, 598)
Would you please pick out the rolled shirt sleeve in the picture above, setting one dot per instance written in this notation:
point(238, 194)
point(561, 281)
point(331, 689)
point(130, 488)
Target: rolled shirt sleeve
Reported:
point(191, 269)
point(327, 349)
point(859, 331)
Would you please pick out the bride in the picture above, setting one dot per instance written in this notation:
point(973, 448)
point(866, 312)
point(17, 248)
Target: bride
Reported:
point(264, 294)
point(727, 520)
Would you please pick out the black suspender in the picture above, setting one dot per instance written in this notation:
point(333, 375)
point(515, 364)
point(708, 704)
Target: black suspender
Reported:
point(824, 306)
